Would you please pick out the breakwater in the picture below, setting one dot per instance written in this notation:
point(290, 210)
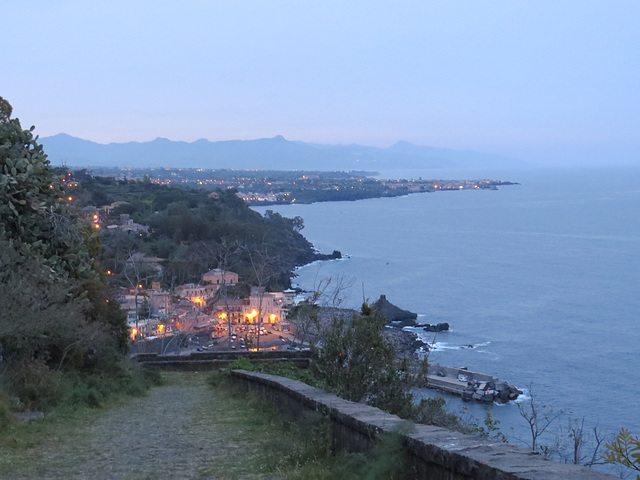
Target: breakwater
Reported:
point(436, 453)
point(470, 385)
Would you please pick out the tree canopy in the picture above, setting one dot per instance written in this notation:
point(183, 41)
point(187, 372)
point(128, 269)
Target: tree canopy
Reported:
point(194, 230)
point(54, 307)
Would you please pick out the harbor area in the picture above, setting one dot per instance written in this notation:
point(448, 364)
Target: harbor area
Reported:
point(471, 386)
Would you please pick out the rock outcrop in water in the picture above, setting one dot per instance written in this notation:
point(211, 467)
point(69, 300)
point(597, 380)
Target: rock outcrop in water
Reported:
point(439, 327)
point(392, 313)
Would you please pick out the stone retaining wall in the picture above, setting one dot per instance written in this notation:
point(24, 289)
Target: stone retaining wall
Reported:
point(437, 453)
point(203, 361)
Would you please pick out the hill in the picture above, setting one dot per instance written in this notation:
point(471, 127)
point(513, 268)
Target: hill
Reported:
point(275, 153)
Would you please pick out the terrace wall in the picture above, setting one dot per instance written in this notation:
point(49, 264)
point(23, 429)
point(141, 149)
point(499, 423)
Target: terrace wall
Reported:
point(436, 453)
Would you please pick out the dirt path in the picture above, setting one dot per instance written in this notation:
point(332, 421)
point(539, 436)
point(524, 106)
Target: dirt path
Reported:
point(180, 430)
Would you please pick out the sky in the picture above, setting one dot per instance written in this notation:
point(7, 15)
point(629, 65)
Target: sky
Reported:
point(551, 82)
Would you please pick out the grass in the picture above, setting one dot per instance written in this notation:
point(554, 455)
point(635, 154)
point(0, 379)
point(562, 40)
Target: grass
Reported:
point(301, 450)
point(22, 443)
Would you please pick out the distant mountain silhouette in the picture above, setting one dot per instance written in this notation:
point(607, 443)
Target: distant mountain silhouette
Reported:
point(275, 153)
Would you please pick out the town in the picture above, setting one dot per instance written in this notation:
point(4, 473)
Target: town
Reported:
point(265, 187)
point(199, 317)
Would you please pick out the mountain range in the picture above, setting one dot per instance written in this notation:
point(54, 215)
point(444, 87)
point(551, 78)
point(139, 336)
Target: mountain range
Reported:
point(275, 153)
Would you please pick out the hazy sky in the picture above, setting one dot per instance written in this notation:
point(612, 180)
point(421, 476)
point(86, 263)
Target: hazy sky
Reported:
point(545, 81)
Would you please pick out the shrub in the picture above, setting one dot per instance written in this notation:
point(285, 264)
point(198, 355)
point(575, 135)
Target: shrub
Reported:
point(34, 384)
point(430, 411)
point(242, 363)
point(6, 417)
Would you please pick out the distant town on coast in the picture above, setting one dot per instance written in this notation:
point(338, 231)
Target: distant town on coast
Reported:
point(267, 187)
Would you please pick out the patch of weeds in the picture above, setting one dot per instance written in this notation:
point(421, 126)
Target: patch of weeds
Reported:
point(6, 417)
point(307, 441)
point(242, 363)
point(289, 370)
point(218, 378)
point(302, 449)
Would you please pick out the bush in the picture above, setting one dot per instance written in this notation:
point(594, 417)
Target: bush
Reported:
point(289, 370)
point(358, 364)
point(37, 387)
point(430, 411)
point(6, 416)
point(217, 378)
point(242, 363)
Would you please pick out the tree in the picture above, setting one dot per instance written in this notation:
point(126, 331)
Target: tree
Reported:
point(264, 266)
point(584, 447)
point(538, 416)
point(356, 363)
point(625, 451)
point(222, 255)
point(329, 293)
point(32, 212)
point(40, 317)
point(54, 302)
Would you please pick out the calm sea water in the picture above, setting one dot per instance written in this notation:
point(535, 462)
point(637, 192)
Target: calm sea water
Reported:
point(542, 278)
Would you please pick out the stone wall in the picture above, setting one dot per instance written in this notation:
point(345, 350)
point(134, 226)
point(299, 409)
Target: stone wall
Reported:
point(436, 453)
point(203, 361)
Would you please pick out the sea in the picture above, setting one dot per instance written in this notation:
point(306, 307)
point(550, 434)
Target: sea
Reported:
point(539, 281)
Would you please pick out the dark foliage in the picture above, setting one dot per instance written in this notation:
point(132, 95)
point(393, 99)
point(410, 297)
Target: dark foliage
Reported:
point(194, 231)
point(55, 309)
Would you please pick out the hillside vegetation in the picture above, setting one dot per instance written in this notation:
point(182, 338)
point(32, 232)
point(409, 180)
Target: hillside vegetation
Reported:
point(62, 337)
point(192, 231)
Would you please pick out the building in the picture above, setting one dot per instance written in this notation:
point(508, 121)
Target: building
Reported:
point(197, 293)
point(269, 306)
point(217, 276)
